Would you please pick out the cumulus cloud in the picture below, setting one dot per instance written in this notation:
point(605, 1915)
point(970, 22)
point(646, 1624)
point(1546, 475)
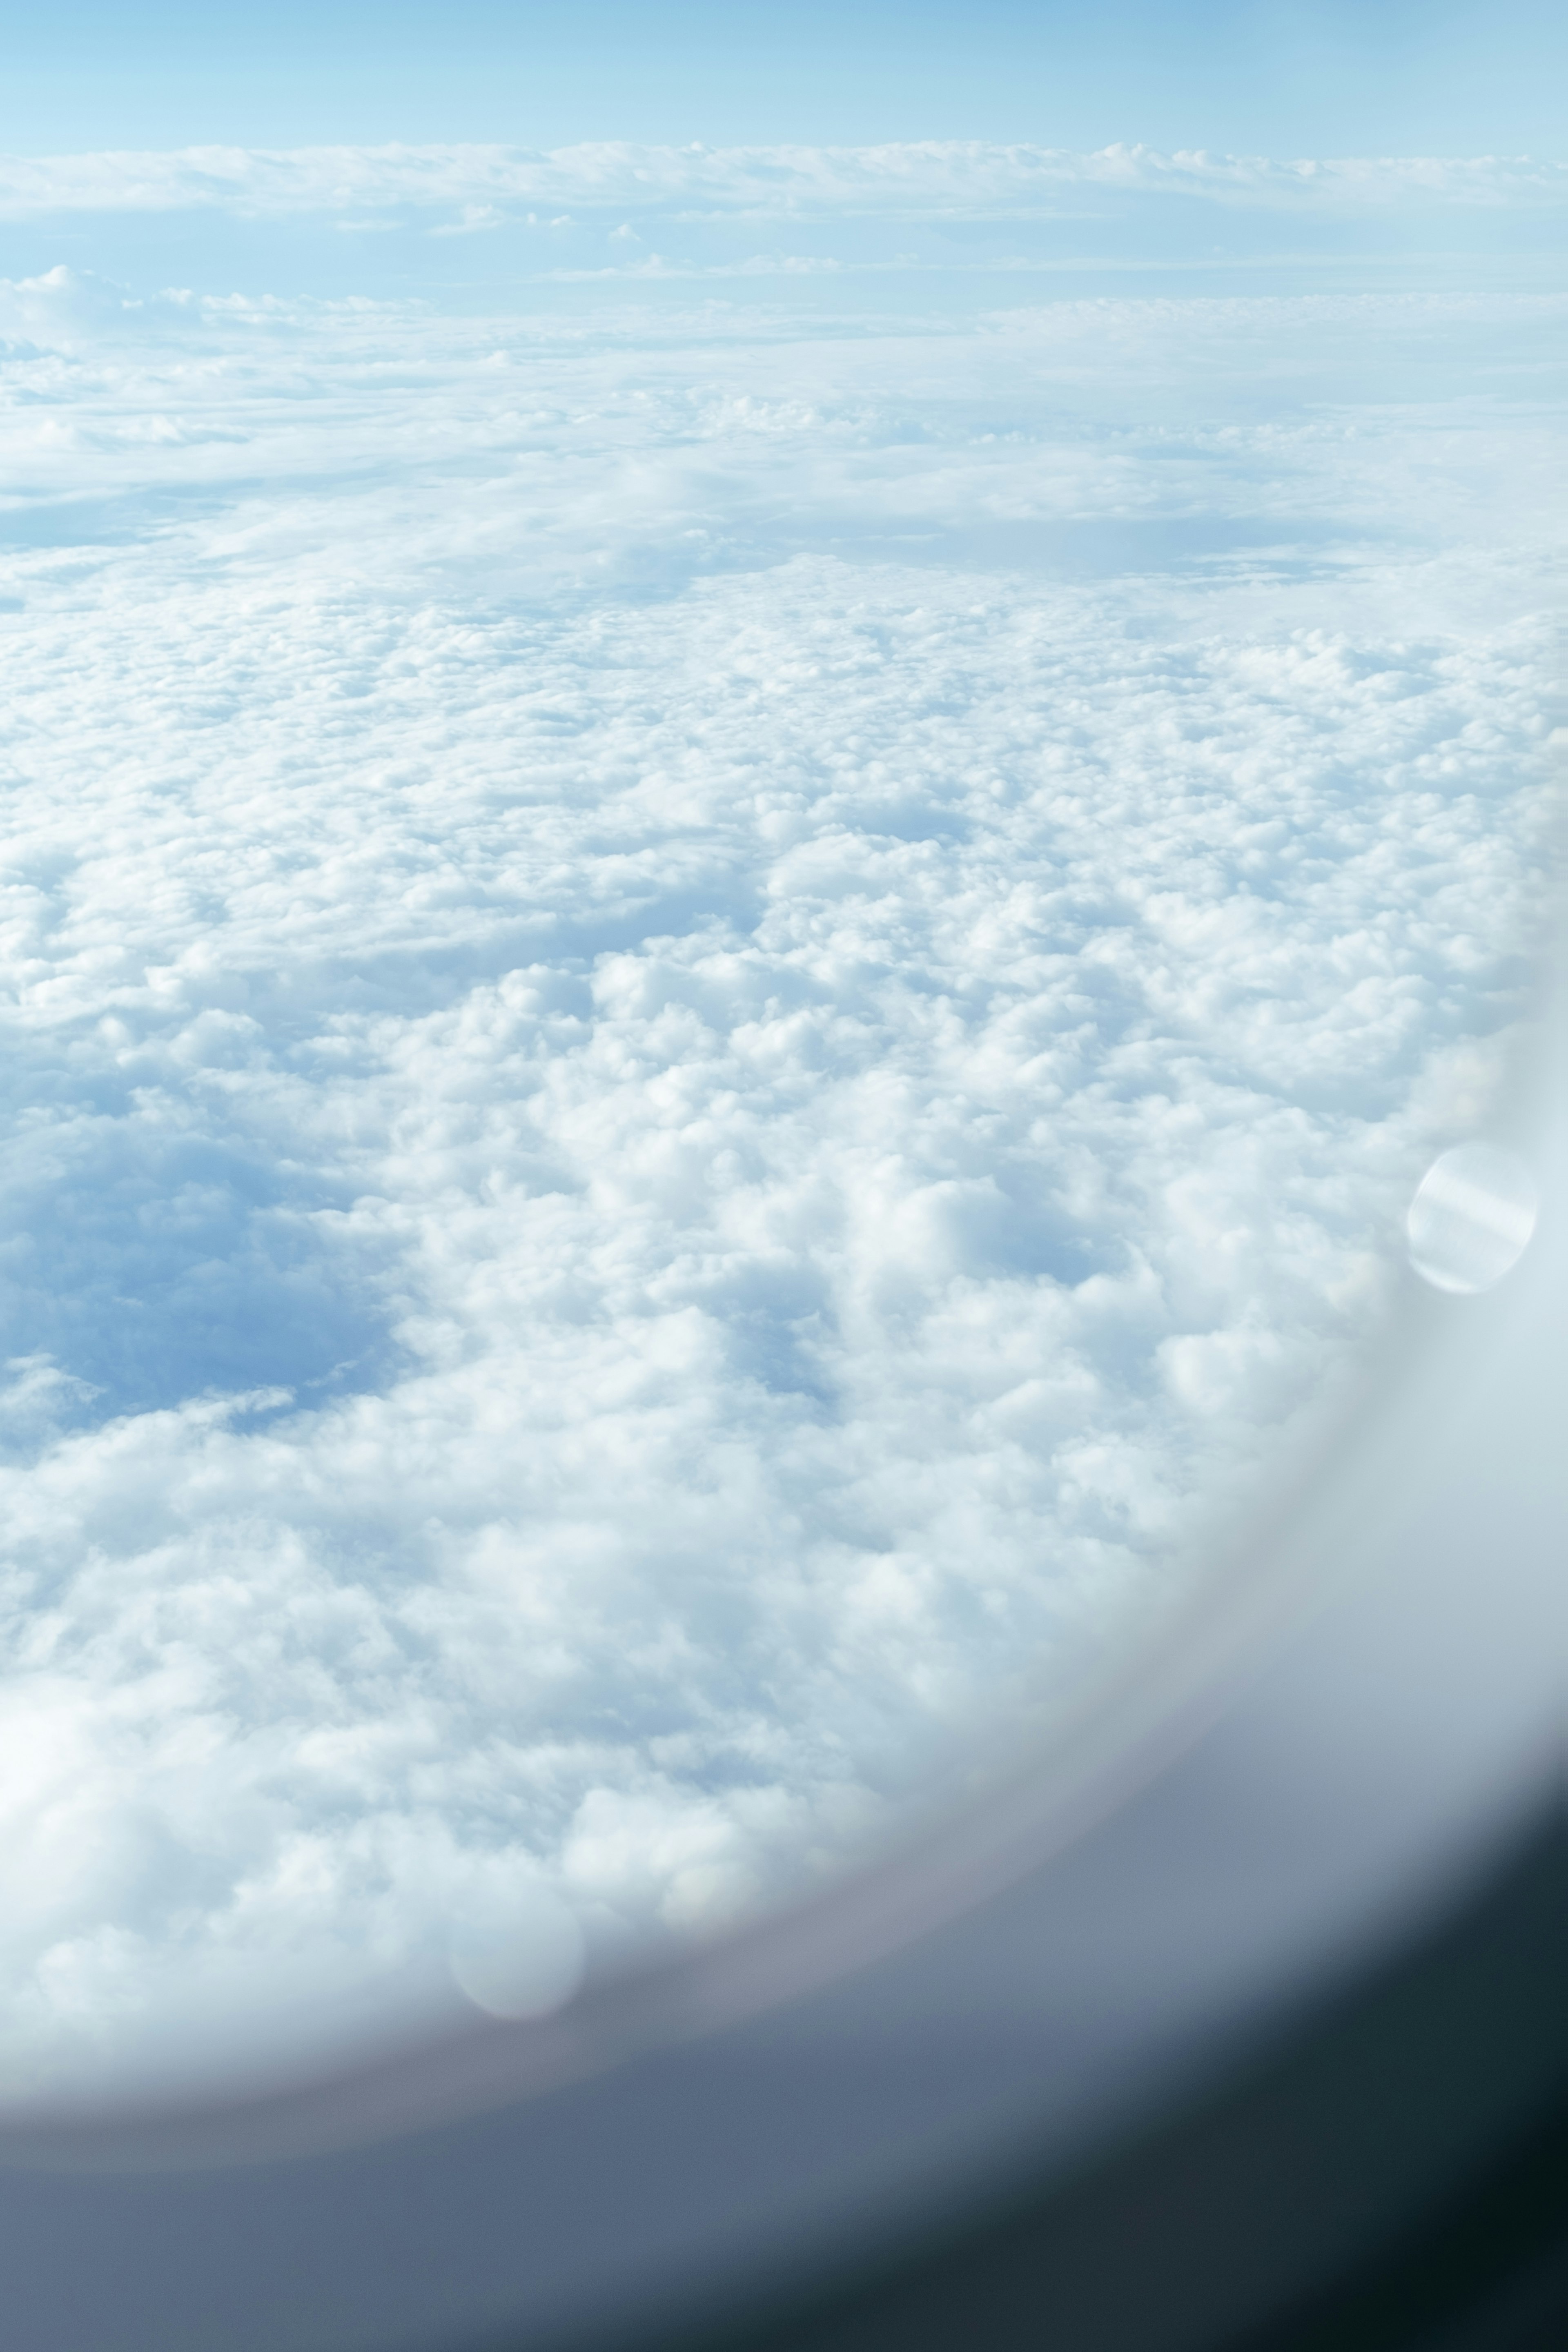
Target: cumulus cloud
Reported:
point(703, 1028)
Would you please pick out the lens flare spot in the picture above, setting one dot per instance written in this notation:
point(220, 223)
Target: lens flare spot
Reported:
point(1471, 1219)
point(518, 1954)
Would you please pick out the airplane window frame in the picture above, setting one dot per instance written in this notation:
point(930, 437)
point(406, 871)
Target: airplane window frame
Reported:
point(1233, 2022)
point(1180, 2050)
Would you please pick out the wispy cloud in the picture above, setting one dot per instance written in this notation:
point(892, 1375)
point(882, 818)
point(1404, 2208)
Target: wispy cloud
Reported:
point(963, 178)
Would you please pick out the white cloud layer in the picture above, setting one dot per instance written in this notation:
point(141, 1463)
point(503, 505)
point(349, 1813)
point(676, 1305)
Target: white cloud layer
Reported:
point(699, 1025)
point(960, 176)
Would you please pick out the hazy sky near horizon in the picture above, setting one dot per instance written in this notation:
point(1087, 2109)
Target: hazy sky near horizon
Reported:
point(1281, 78)
point(739, 884)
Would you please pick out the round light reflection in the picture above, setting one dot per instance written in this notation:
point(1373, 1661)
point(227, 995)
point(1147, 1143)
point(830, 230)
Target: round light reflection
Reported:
point(1471, 1219)
point(517, 1952)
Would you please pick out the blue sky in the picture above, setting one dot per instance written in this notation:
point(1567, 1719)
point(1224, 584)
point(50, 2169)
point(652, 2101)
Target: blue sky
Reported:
point(1275, 76)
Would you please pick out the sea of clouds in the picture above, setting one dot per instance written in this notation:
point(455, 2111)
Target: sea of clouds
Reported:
point(710, 1007)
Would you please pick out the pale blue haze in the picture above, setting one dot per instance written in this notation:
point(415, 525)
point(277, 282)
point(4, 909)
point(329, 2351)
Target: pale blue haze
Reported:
point(1271, 76)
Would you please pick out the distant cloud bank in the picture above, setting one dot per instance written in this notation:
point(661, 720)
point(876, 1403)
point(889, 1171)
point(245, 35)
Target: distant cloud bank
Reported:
point(961, 178)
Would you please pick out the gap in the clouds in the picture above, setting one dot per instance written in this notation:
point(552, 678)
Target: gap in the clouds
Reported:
point(1157, 552)
point(44, 523)
point(149, 1267)
point(1090, 547)
point(1066, 549)
point(436, 974)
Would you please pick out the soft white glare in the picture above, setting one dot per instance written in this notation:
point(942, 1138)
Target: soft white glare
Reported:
point(518, 1950)
point(1472, 1217)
